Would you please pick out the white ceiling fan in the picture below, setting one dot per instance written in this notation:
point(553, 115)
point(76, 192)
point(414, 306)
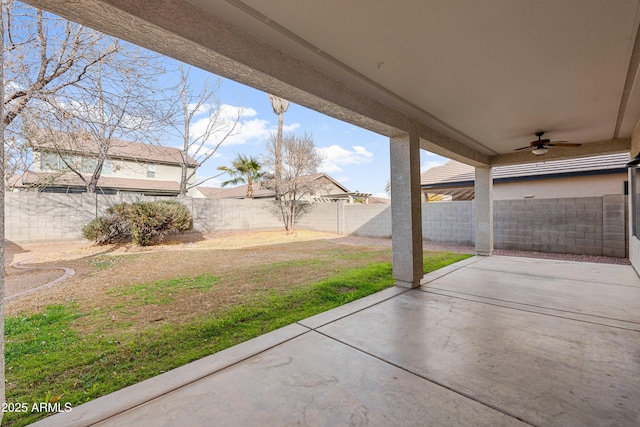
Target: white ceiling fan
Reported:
point(541, 146)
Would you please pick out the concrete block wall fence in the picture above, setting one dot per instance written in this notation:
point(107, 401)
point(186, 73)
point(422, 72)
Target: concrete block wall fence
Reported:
point(449, 222)
point(587, 225)
point(40, 217)
point(570, 225)
point(583, 225)
point(615, 239)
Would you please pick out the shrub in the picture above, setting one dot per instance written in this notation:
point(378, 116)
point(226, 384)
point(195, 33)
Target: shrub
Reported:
point(140, 222)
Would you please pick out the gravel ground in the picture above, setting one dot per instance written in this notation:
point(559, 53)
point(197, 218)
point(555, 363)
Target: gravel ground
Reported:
point(503, 252)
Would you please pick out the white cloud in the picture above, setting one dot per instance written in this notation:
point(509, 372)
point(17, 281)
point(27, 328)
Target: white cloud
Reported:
point(336, 157)
point(250, 128)
point(231, 112)
point(203, 153)
point(289, 128)
point(201, 109)
point(361, 151)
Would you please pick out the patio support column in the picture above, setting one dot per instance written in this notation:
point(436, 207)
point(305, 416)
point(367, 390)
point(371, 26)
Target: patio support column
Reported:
point(484, 210)
point(406, 210)
point(634, 241)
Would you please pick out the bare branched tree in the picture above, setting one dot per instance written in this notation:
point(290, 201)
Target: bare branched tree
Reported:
point(2, 197)
point(280, 106)
point(118, 101)
point(199, 145)
point(301, 161)
point(17, 158)
point(43, 56)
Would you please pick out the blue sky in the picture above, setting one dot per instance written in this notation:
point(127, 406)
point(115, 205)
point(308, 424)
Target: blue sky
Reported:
point(357, 158)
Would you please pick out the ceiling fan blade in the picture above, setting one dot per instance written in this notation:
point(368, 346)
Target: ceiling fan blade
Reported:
point(563, 144)
point(530, 147)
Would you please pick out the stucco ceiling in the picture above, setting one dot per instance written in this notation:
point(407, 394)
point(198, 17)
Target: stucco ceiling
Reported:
point(480, 77)
point(495, 71)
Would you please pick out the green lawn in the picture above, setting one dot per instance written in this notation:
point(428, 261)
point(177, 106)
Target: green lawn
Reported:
point(49, 358)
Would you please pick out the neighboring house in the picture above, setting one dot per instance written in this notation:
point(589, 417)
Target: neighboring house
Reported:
point(239, 192)
point(330, 190)
point(132, 167)
point(581, 177)
point(379, 201)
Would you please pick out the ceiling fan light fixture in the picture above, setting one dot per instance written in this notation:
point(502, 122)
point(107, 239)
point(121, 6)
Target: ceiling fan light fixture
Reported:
point(539, 151)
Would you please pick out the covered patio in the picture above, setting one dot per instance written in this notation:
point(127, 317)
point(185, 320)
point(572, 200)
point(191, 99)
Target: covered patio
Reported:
point(488, 341)
point(492, 341)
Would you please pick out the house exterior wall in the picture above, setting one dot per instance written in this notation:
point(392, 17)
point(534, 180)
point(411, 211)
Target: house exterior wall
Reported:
point(634, 241)
point(325, 187)
point(575, 186)
point(583, 225)
point(328, 187)
point(126, 169)
point(572, 186)
point(139, 170)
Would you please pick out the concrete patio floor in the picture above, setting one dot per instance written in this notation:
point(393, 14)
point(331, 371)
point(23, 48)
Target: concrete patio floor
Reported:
point(489, 341)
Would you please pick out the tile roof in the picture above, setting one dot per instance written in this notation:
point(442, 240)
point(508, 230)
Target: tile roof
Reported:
point(209, 191)
point(240, 192)
point(379, 201)
point(453, 172)
point(122, 184)
point(119, 149)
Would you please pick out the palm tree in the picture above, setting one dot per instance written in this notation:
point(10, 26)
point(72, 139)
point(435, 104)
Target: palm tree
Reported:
point(246, 170)
point(280, 106)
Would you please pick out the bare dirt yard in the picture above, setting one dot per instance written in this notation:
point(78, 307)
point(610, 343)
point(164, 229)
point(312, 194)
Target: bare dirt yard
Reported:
point(243, 259)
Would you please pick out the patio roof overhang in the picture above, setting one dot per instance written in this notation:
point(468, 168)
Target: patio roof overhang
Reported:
point(472, 81)
point(468, 80)
point(475, 80)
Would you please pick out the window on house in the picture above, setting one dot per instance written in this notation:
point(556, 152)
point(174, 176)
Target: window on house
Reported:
point(89, 165)
point(49, 162)
point(107, 167)
point(75, 162)
point(151, 171)
point(116, 166)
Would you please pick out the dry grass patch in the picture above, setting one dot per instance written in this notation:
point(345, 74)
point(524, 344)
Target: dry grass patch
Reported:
point(130, 316)
point(243, 266)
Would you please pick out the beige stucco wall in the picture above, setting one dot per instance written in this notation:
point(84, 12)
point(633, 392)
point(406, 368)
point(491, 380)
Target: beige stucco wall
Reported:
point(131, 169)
point(582, 186)
point(328, 187)
point(634, 242)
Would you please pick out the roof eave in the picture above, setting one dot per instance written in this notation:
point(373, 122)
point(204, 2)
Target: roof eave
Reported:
point(467, 183)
